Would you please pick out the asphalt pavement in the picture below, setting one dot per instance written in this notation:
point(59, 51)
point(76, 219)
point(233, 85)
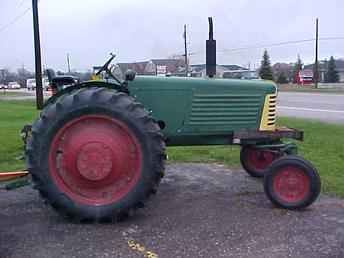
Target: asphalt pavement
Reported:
point(325, 107)
point(201, 210)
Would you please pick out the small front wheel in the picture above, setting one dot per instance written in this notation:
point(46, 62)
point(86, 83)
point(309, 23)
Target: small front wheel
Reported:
point(256, 161)
point(292, 182)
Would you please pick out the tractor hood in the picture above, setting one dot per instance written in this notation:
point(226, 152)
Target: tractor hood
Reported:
point(182, 83)
point(202, 106)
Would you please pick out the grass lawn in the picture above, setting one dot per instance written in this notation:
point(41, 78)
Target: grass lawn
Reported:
point(323, 146)
point(13, 116)
point(10, 93)
point(309, 88)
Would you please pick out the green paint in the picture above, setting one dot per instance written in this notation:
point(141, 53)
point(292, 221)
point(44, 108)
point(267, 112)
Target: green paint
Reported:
point(200, 111)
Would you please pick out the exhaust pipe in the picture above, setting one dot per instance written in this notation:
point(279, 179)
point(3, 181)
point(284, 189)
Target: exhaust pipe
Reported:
point(211, 51)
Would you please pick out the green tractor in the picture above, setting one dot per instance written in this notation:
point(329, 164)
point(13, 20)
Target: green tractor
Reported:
point(97, 150)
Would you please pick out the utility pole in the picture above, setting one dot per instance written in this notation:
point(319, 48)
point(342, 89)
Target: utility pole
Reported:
point(68, 63)
point(38, 59)
point(186, 53)
point(316, 63)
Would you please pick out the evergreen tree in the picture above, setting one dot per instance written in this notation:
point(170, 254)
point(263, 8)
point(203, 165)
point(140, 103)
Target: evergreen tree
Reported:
point(282, 78)
point(331, 73)
point(265, 71)
point(297, 68)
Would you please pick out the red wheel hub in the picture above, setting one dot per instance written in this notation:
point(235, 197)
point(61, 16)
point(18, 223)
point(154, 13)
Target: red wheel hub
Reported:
point(95, 159)
point(291, 184)
point(260, 159)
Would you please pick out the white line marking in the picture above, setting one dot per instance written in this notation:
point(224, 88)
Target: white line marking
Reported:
point(309, 94)
point(311, 109)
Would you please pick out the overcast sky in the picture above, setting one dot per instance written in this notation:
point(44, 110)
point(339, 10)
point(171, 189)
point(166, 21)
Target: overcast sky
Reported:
point(139, 30)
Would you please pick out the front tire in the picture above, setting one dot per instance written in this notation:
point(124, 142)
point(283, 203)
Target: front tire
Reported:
point(256, 161)
point(292, 183)
point(95, 154)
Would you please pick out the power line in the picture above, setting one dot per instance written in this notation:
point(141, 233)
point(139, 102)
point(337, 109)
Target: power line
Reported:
point(283, 43)
point(268, 45)
point(332, 38)
point(17, 18)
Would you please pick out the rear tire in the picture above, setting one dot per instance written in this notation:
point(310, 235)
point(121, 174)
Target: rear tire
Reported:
point(292, 183)
point(95, 155)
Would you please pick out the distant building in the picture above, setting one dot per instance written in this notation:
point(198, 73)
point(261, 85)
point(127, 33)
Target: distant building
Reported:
point(155, 67)
point(283, 68)
point(170, 66)
point(199, 70)
point(176, 67)
point(323, 69)
point(241, 74)
point(138, 67)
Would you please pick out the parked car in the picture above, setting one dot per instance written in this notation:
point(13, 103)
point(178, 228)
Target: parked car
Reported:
point(13, 85)
point(3, 87)
point(46, 84)
point(31, 84)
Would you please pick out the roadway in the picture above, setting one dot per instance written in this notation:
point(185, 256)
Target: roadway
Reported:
point(324, 107)
point(21, 94)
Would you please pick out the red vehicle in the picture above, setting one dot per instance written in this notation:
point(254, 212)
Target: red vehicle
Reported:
point(304, 77)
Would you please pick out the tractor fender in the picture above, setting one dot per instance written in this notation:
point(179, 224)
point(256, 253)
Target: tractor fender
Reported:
point(92, 84)
point(86, 84)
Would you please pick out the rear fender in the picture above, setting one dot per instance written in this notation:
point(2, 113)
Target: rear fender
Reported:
point(99, 84)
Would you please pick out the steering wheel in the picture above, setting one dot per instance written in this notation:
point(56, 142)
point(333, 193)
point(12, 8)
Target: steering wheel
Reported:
point(105, 68)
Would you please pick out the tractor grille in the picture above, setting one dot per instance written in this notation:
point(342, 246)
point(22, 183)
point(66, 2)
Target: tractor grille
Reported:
point(272, 110)
point(269, 113)
point(224, 110)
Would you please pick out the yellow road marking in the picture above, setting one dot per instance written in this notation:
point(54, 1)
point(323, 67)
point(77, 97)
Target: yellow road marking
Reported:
point(133, 245)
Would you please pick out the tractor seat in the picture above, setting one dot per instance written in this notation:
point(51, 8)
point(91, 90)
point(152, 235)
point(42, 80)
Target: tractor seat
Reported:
point(63, 80)
point(60, 82)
